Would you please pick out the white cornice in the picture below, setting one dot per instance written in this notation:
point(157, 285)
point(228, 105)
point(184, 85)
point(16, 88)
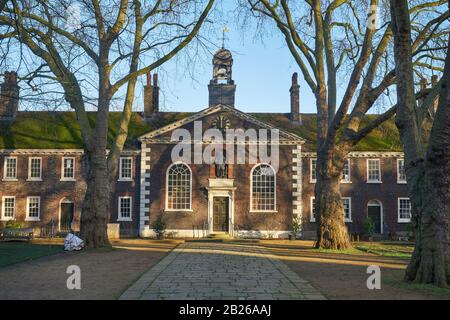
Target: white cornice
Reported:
point(363, 154)
point(55, 151)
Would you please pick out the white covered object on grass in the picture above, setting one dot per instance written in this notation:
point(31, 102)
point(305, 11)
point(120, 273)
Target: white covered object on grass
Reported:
point(72, 242)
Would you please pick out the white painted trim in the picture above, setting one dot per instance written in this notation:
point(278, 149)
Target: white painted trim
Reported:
point(400, 181)
point(350, 209)
point(379, 204)
point(402, 220)
point(312, 216)
point(119, 216)
point(73, 178)
point(147, 232)
point(311, 179)
point(121, 178)
point(166, 208)
point(212, 110)
point(29, 169)
point(349, 172)
point(70, 152)
point(3, 218)
point(5, 160)
point(213, 193)
point(38, 218)
point(145, 182)
point(379, 171)
point(363, 154)
point(274, 193)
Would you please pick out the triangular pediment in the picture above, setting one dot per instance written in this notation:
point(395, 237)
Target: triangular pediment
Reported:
point(284, 135)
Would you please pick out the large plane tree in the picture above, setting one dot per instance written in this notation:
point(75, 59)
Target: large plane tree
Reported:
point(92, 50)
point(427, 164)
point(344, 51)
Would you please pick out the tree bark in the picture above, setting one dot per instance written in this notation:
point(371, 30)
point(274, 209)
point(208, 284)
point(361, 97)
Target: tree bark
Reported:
point(332, 231)
point(428, 175)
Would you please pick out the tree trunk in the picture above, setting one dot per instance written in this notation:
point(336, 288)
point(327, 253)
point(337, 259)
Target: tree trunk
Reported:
point(96, 205)
point(429, 178)
point(332, 231)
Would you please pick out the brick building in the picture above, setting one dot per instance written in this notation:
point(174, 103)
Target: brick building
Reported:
point(42, 177)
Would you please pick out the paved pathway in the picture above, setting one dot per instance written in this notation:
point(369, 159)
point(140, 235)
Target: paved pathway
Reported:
point(199, 270)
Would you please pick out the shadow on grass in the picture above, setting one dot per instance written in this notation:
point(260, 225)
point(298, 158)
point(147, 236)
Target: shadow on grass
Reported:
point(14, 252)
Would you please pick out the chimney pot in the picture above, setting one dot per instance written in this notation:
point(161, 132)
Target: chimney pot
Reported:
point(151, 96)
point(9, 96)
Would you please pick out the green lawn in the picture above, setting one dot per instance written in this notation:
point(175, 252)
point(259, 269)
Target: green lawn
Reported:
point(402, 251)
point(13, 252)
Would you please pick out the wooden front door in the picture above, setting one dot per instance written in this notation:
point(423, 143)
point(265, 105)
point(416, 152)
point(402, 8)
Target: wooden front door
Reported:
point(374, 212)
point(220, 214)
point(67, 209)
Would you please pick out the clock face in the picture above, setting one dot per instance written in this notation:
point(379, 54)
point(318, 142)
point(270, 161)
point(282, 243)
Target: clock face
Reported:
point(221, 122)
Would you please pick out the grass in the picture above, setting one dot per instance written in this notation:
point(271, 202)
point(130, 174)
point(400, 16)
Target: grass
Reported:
point(14, 252)
point(401, 251)
point(419, 287)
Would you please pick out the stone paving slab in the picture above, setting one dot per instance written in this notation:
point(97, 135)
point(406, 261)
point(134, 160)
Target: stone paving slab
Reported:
point(220, 271)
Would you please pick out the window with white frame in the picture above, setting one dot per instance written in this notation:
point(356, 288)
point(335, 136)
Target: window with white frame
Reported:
point(346, 174)
point(373, 170)
point(263, 188)
point(33, 208)
point(34, 168)
point(125, 209)
point(8, 208)
point(347, 204)
point(10, 168)
point(179, 185)
point(312, 214)
point(401, 173)
point(404, 210)
point(313, 170)
point(68, 168)
point(126, 168)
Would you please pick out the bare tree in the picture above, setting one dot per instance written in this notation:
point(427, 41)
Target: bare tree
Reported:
point(107, 47)
point(329, 43)
point(427, 167)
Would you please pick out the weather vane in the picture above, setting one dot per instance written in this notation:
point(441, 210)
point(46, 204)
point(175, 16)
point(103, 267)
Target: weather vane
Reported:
point(224, 37)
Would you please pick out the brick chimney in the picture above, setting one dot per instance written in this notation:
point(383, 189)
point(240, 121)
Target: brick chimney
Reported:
point(9, 96)
point(295, 99)
point(151, 96)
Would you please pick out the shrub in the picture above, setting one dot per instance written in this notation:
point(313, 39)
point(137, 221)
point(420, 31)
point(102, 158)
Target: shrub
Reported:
point(159, 225)
point(369, 227)
point(14, 224)
point(296, 226)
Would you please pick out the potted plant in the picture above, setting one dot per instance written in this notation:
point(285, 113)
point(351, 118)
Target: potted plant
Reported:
point(296, 228)
point(159, 225)
point(369, 228)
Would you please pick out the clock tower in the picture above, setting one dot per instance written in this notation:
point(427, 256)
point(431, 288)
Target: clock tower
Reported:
point(221, 87)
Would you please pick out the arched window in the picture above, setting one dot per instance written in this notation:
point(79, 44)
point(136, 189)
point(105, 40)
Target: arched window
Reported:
point(179, 185)
point(263, 188)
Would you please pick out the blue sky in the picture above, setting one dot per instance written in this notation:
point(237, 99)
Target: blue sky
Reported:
point(261, 71)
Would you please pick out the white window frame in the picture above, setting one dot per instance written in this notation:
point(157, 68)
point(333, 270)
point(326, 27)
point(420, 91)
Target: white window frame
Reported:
point(167, 189)
point(121, 177)
point(3, 217)
point(274, 190)
point(349, 219)
point(379, 171)
point(73, 178)
point(38, 218)
point(30, 178)
point(400, 181)
point(119, 213)
point(5, 161)
point(311, 179)
point(403, 220)
point(312, 214)
point(349, 180)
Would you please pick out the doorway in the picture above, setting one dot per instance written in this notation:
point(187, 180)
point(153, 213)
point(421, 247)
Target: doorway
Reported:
point(66, 215)
point(375, 212)
point(220, 214)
